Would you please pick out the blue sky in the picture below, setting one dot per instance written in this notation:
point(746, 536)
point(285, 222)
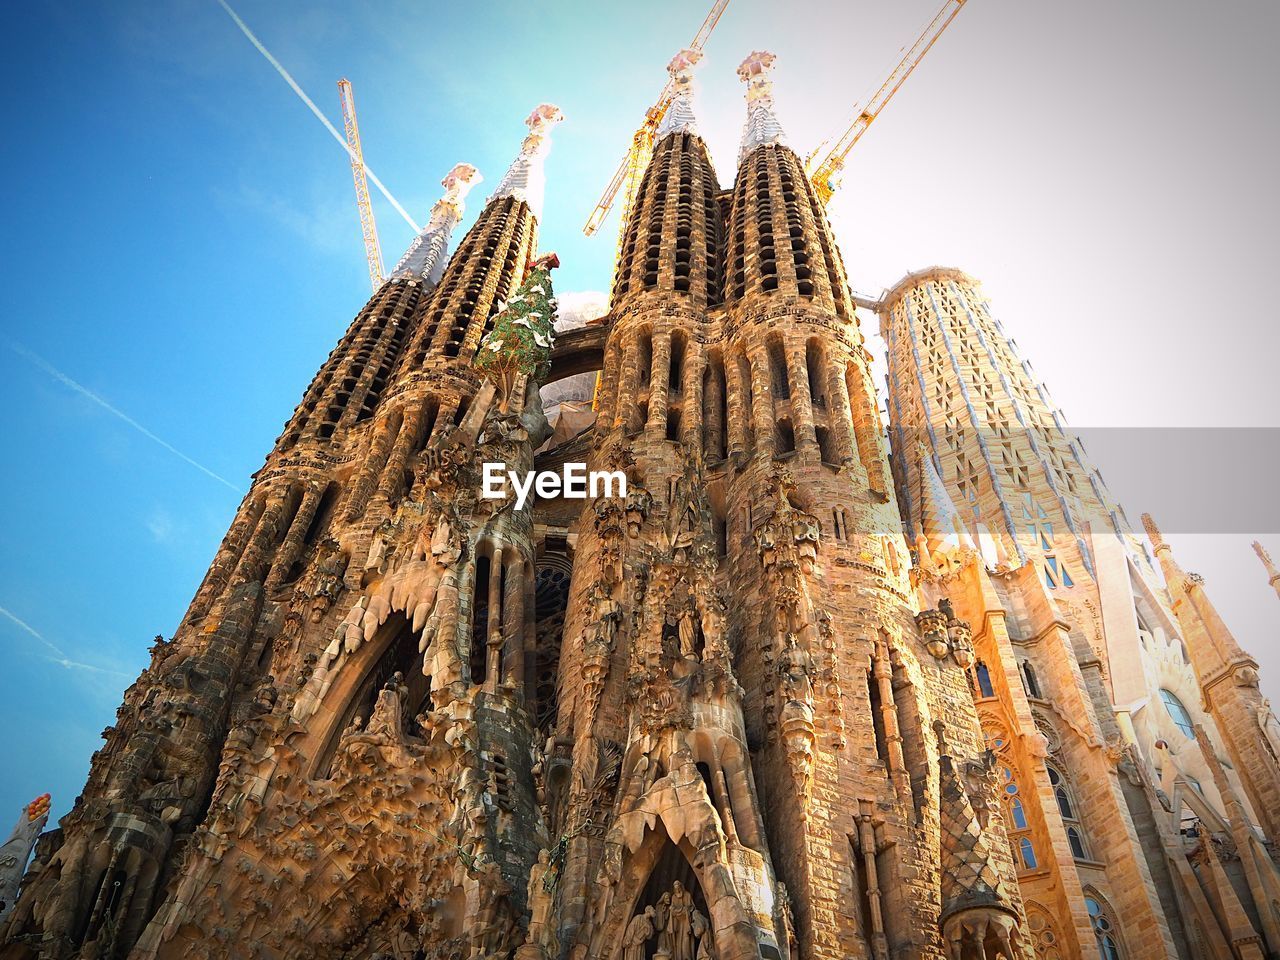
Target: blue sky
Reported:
point(182, 242)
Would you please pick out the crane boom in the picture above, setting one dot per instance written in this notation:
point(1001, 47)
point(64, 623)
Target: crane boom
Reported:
point(372, 249)
point(626, 179)
point(825, 173)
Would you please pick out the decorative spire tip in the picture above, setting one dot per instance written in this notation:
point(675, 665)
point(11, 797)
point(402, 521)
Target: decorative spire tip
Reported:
point(524, 179)
point(1153, 533)
point(762, 127)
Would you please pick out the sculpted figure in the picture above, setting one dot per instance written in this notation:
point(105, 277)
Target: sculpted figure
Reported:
point(330, 569)
point(355, 726)
point(638, 501)
point(702, 936)
point(638, 933)
point(608, 613)
point(662, 920)
point(376, 562)
point(680, 923)
point(806, 532)
point(637, 784)
point(494, 918)
point(540, 895)
point(795, 667)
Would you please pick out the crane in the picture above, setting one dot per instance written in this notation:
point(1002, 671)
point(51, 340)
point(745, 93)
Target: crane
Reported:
point(825, 172)
point(372, 250)
point(626, 179)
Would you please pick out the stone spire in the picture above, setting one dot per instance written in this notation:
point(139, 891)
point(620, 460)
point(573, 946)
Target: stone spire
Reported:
point(1212, 646)
point(679, 117)
point(1273, 575)
point(524, 179)
point(762, 127)
point(427, 255)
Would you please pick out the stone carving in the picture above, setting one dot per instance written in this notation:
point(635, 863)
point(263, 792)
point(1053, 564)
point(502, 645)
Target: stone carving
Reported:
point(638, 934)
point(495, 920)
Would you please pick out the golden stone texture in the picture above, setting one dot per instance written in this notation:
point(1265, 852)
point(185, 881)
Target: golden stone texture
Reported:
point(736, 713)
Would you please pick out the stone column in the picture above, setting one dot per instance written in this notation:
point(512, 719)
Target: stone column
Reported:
point(691, 425)
point(840, 416)
point(513, 621)
point(659, 384)
point(292, 545)
point(801, 401)
point(493, 624)
point(385, 434)
point(762, 403)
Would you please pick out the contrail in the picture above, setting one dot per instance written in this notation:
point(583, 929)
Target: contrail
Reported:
point(66, 381)
point(59, 657)
point(342, 141)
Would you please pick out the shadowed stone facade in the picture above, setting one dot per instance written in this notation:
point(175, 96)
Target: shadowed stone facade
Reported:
point(790, 697)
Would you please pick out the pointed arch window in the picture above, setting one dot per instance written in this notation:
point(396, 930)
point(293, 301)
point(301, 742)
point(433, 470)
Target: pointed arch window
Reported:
point(1067, 809)
point(1178, 713)
point(1024, 851)
point(1104, 928)
point(1017, 815)
point(1027, 851)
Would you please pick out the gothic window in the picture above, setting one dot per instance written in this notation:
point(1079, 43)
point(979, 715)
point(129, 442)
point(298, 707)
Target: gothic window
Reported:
point(891, 556)
point(1017, 815)
point(983, 674)
point(1077, 843)
point(1039, 528)
point(1067, 809)
point(826, 448)
point(715, 411)
point(1178, 713)
point(1016, 822)
point(1028, 853)
point(1104, 929)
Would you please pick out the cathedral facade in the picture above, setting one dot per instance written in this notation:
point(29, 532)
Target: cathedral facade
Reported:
point(787, 686)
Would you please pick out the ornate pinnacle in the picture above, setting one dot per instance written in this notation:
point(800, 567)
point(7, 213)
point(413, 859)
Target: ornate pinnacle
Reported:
point(679, 117)
point(426, 256)
point(1273, 575)
point(762, 127)
point(524, 179)
point(1153, 533)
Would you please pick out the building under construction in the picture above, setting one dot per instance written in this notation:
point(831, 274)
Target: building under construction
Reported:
point(807, 690)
